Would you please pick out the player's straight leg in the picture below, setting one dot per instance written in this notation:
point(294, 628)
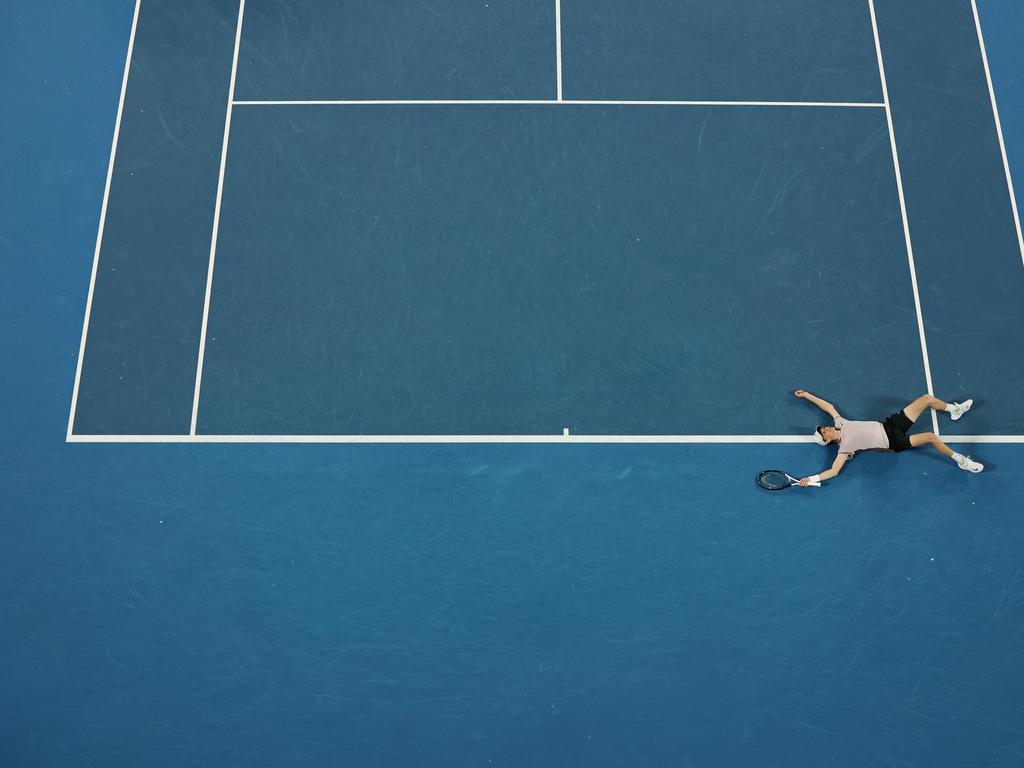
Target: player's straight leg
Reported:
point(917, 407)
point(930, 438)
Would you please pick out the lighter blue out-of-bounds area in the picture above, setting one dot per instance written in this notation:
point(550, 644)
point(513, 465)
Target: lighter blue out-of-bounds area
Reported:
point(170, 605)
point(510, 605)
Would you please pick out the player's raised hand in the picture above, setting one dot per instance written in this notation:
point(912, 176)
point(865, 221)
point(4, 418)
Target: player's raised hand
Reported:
point(800, 393)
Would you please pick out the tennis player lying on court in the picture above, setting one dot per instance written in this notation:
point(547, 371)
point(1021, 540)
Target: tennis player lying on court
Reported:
point(888, 435)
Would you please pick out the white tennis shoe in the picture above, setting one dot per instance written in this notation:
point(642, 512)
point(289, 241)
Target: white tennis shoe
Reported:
point(969, 464)
point(956, 410)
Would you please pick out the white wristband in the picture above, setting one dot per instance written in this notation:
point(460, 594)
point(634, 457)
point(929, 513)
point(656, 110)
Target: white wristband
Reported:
point(815, 479)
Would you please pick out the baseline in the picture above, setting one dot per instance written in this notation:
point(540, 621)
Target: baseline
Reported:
point(555, 102)
point(563, 438)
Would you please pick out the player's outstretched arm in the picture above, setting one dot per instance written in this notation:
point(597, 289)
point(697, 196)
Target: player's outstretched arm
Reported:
point(828, 474)
point(825, 405)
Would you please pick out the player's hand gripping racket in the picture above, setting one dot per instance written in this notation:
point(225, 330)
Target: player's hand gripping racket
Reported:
point(777, 480)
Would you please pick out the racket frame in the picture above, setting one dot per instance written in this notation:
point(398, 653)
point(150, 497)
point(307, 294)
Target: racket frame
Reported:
point(792, 480)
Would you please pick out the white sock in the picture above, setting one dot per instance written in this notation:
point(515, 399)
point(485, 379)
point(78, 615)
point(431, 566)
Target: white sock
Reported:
point(957, 457)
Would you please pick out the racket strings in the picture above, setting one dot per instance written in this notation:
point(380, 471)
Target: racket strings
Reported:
point(774, 480)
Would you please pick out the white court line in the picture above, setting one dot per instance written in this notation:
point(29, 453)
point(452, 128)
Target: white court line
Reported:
point(903, 212)
point(999, 131)
point(216, 222)
point(499, 439)
point(103, 219)
point(560, 102)
point(558, 43)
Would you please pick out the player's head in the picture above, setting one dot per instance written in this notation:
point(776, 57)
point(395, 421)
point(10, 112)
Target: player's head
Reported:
point(824, 435)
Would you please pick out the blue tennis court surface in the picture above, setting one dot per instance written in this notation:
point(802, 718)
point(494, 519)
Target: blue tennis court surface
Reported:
point(429, 351)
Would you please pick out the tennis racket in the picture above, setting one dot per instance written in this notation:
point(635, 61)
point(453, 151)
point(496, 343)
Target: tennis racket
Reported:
point(777, 480)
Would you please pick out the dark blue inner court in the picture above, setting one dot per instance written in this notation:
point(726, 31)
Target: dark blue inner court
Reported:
point(521, 269)
point(800, 50)
point(443, 49)
point(444, 269)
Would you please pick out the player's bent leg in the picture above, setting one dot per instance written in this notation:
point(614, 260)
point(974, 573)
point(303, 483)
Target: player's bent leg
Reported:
point(930, 438)
point(917, 407)
point(956, 410)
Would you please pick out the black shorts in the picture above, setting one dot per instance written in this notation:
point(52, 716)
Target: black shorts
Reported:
point(896, 427)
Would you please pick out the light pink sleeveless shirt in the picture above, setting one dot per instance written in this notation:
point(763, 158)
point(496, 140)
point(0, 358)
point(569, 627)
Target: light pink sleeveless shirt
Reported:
point(861, 436)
